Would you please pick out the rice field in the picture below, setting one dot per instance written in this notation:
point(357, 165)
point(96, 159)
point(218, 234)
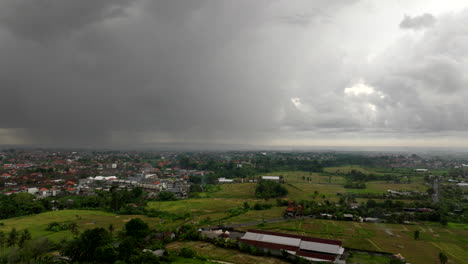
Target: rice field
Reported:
point(393, 238)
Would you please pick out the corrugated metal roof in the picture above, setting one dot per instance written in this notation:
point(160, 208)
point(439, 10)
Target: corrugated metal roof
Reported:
point(320, 247)
point(272, 239)
point(270, 177)
point(308, 246)
point(306, 238)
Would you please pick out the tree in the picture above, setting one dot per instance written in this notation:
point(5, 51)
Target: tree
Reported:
point(187, 252)
point(416, 235)
point(443, 221)
point(371, 203)
point(3, 239)
point(269, 189)
point(166, 196)
point(127, 248)
point(88, 247)
point(73, 227)
point(443, 258)
point(136, 228)
point(37, 247)
point(12, 237)
point(24, 236)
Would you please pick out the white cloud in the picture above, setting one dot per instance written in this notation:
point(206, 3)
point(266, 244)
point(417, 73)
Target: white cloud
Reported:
point(359, 88)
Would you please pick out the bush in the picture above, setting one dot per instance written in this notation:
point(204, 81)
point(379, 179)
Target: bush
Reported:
point(166, 196)
point(187, 252)
point(236, 211)
point(258, 206)
point(355, 185)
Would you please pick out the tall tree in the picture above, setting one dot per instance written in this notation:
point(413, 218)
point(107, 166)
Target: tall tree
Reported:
point(3, 239)
point(24, 236)
point(136, 228)
point(12, 237)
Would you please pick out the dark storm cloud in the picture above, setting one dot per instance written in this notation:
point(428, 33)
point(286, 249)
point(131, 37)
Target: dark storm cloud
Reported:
point(96, 73)
point(418, 22)
point(90, 72)
point(48, 18)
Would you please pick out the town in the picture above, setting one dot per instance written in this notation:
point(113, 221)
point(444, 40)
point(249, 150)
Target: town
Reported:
point(252, 189)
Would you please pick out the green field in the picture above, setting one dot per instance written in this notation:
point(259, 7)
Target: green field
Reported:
point(300, 185)
point(393, 238)
point(86, 219)
point(363, 258)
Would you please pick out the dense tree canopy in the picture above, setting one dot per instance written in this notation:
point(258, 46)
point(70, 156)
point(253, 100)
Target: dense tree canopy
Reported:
point(270, 189)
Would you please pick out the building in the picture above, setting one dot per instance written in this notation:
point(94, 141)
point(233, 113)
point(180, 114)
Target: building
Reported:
point(421, 170)
point(271, 178)
point(224, 180)
point(310, 248)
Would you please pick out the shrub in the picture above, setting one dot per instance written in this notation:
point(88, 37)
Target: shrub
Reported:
point(187, 252)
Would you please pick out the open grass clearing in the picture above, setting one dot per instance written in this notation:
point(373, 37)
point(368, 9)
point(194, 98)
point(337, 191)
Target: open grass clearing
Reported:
point(363, 258)
point(197, 207)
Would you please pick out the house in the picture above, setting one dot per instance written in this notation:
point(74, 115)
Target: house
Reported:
point(348, 217)
point(421, 170)
point(224, 180)
point(157, 253)
point(462, 184)
point(271, 178)
point(310, 248)
point(371, 220)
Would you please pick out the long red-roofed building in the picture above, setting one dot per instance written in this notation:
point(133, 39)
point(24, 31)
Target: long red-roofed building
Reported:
point(315, 249)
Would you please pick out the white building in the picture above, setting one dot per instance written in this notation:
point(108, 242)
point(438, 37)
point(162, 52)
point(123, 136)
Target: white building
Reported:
point(421, 170)
point(271, 178)
point(224, 180)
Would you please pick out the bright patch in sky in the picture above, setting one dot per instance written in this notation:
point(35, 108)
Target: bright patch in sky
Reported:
point(359, 88)
point(299, 105)
point(296, 101)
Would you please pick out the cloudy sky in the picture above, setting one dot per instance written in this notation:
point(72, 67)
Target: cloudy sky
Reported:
point(263, 72)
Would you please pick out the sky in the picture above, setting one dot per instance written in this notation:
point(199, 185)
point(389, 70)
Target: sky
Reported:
point(112, 73)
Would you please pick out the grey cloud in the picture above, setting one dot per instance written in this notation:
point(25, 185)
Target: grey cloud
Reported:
point(49, 18)
point(418, 22)
point(425, 85)
point(144, 71)
point(305, 19)
point(198, 75)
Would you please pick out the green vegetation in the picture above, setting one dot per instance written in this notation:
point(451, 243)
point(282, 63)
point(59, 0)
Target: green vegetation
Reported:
point(319, 192)
point(394, 238)
point(222, 254)
point(270, 189)
point(365, 258)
